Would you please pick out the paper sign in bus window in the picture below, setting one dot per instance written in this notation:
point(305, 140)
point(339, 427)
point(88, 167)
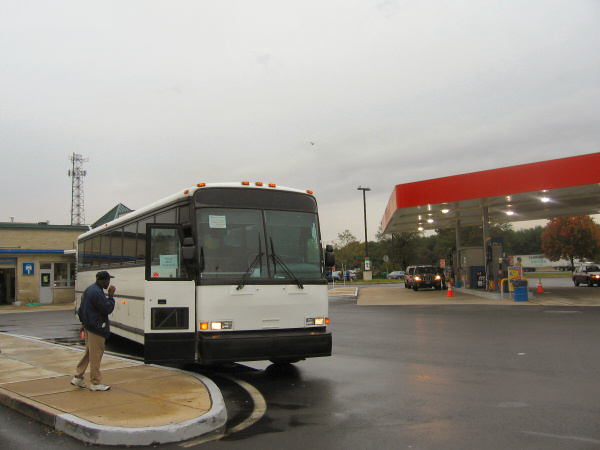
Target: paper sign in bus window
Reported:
point(217, 221)
point(168, 261)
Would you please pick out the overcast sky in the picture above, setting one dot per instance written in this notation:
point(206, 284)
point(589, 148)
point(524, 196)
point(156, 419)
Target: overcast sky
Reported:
point(162, 95)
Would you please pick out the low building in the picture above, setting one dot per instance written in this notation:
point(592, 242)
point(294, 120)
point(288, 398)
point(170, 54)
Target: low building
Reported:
point(38, 262)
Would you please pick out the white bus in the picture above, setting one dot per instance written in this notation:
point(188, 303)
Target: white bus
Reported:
point(216, 273)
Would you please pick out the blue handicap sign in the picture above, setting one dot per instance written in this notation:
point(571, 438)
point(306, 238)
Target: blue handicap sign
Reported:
point(28, 268)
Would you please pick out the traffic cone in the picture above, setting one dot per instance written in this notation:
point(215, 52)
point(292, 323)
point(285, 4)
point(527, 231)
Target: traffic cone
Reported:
point(540, 288)
point(450, 294)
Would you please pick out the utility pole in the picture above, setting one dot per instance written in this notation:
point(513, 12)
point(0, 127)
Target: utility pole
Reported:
point(77, 174)
point(367, 274)
point(363, 189)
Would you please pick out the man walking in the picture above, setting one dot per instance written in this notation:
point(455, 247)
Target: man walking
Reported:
point(93, 314)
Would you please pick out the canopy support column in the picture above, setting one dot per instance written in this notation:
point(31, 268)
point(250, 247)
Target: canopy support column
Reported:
point(485, 217)
point(456, 258)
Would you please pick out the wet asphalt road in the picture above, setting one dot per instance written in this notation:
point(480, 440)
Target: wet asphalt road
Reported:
point(439, 377)
point(420, 377)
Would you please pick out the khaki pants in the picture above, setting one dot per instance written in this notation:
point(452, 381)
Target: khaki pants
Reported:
point(94, 349)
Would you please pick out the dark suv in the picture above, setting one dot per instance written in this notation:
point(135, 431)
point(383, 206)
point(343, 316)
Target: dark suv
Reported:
point(428, 276)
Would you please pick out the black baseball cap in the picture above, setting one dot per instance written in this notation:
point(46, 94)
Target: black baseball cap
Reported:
point(103, 275)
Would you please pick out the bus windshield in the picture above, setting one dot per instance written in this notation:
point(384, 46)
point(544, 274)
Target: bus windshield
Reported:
point(257, 244)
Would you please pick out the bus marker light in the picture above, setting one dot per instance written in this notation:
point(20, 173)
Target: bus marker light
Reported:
point(204, 325)
point(272, 185)
point(201, 184)
point(123, 301)
point(259, 183)
point(326, 320)
point(309, 191)
point(186, 191)
point(245, 183)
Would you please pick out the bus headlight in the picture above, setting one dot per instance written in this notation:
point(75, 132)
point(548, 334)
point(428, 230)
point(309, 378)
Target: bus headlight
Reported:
point(217, 326)
point(317, 321)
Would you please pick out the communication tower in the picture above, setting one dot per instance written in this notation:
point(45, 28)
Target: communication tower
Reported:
point(77, 174)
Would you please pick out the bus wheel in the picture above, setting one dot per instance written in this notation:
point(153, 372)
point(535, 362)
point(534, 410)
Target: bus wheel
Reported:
point(282, 370)
point(284, 360)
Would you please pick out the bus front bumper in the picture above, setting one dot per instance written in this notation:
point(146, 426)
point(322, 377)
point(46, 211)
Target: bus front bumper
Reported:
point(272, 345)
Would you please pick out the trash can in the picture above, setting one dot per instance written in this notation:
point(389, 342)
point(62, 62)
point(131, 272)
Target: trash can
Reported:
point(520, 286)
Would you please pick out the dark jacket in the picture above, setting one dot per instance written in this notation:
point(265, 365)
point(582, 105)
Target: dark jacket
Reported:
point(94, 310)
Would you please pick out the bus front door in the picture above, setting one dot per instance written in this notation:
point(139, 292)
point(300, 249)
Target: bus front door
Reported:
point(169, 321)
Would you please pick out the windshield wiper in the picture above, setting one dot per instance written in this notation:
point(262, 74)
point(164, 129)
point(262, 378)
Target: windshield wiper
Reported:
point(251, 267)
point(286, 269)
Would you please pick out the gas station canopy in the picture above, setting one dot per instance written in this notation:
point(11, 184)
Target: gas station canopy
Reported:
point(542, 190)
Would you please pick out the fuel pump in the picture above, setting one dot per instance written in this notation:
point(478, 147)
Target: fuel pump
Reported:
point(494, 256)
point(503, 271)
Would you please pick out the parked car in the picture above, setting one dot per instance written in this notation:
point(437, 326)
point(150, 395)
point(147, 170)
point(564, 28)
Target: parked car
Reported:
point(350, 275)
point(408, 276)
point(334, 276)
point(587, 274)
point(347, 275)
point(428, 276)
point(396, 275)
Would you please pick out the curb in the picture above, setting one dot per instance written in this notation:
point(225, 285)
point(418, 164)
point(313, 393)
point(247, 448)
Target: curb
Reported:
point(212, 422)
point(30, 408)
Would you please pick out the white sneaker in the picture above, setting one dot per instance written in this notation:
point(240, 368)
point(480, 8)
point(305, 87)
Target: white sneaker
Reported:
point(78, 382)
point(99, 387)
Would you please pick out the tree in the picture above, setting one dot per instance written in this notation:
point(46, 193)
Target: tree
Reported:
point(399, 247)
point(524, 242)
point(346, 238)
point(349, 252)
point(570, 238)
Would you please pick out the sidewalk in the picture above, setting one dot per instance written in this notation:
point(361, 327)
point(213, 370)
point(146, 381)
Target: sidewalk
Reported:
point(397, 295)
point(146, 404)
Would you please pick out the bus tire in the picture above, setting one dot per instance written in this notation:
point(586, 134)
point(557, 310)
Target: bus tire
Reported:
point(285, 360)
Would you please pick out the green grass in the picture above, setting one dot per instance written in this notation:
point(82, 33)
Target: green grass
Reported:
point(557, 274)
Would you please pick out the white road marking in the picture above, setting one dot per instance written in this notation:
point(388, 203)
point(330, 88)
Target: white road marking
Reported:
point(558, 436)
point(260, 407)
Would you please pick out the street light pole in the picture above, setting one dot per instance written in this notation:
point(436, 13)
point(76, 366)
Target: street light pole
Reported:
point(363, 189)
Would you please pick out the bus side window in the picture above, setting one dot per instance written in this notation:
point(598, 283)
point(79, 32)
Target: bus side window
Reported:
point(141, 237)
point(129, 243)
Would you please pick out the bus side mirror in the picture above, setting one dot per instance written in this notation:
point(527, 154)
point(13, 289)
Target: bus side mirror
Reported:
point(329, 256)
point(188, 251)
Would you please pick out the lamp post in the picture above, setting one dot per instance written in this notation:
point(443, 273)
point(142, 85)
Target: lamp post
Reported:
point(364, 189)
